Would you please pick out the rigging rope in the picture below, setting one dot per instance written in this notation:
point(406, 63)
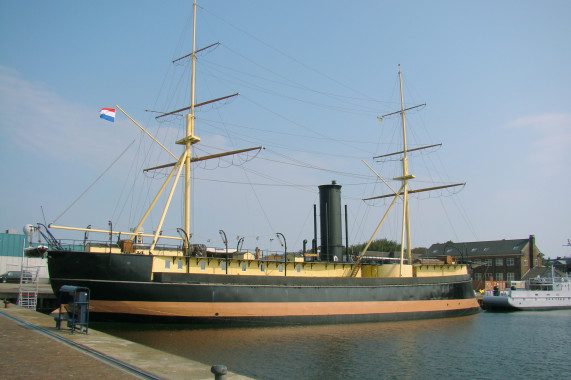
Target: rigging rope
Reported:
point(94, 182)
point(271, 47)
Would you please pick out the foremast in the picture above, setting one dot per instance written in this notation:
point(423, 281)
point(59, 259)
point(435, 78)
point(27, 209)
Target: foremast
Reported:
point(185, 160)
point(190, 137)
point(189, 140)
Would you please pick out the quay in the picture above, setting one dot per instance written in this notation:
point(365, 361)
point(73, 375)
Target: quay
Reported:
point(32, 347)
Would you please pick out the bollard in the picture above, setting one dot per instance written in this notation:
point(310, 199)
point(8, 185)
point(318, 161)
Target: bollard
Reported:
point(6, 304)
point(219, 371)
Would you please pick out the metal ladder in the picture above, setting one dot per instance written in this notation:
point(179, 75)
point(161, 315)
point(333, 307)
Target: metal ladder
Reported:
point(28, 294)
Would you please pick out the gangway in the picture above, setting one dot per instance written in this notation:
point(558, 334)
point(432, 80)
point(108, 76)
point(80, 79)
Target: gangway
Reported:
point(28, 292)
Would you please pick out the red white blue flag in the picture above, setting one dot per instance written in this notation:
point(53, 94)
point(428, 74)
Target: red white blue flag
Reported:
point(107, 114)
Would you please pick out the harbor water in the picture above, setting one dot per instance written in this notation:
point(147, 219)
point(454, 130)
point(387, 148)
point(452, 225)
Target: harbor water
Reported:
point(517, 345)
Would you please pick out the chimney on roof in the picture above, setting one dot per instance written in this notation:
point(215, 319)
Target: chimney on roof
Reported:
point(531, 245)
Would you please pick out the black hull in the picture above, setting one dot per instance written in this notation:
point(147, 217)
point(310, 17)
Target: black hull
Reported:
point(509, 309)
point(122, 286)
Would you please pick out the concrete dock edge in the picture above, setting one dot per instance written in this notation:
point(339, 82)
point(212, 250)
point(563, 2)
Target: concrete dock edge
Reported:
point(35, 347)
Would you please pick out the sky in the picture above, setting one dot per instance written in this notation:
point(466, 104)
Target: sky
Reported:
point(313, 77)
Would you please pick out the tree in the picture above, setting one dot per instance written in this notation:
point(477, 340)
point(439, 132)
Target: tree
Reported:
point(381, 245)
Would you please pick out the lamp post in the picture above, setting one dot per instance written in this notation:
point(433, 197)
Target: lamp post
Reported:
point(463, 257)
point(240, 244)
point(460, 251)
point(186, 240)
point(285, 251)
point(86, 235)
point(225, 240)
point(110, 235)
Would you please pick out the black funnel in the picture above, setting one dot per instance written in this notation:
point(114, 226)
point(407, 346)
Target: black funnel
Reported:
point(330, 219)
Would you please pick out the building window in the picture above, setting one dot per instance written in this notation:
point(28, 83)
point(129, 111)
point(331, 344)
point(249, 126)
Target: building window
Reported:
point(510, 262)
point(223, 266)
point(499, 262)
point(263, 267)
point(488, 262)
point(243, 267)
point(499, 276)
point(477, 276)
point(202, 265)
point(179, 262)
point(281, 268)
point(474, 249)
point(510, 276)
point(486, 249)
point(298, 268)
point(167, 264)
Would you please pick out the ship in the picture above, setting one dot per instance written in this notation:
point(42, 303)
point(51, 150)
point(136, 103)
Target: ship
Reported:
point(131, 278)
point(534, 294)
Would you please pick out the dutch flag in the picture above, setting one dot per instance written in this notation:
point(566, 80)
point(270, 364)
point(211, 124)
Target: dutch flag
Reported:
point(107, 114)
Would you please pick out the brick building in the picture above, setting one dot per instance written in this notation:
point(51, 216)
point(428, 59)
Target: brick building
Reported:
point(499, 260)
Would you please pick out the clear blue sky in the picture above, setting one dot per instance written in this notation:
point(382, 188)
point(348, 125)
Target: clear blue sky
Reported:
point(313, 76)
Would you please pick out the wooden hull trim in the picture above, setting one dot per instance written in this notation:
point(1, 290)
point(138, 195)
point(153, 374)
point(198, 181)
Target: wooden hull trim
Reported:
point(278, 309)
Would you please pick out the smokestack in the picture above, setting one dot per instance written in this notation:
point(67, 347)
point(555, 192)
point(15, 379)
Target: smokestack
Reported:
point(314, 241)
point(346, 236)
point(531, 245)
point(330, 217)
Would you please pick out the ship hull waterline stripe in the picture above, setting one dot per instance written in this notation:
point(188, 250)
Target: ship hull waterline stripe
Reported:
point(276, 309)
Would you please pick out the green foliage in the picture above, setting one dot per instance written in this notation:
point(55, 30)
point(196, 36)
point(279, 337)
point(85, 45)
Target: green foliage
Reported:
point(419, 250)
point(381, 245)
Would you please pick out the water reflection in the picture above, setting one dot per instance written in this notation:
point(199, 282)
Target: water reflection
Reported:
point(479, 346)
point(270, 352)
